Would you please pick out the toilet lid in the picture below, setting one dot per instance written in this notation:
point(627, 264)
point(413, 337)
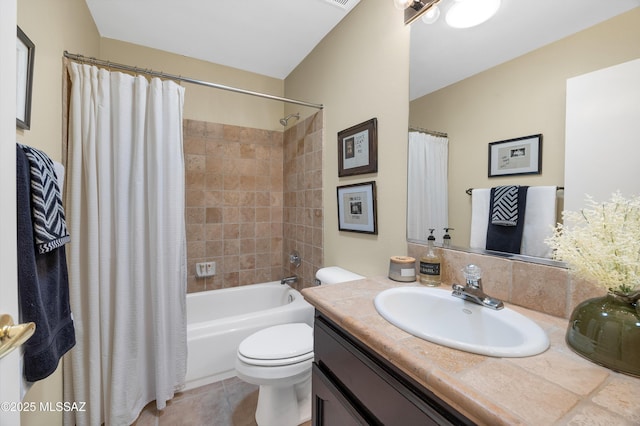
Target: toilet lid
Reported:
point(278, 342)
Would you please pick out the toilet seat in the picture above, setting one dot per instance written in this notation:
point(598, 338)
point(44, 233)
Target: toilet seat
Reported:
point(275, 362)
point(279, 345)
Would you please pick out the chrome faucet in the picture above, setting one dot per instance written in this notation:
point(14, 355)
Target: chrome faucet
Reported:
point(472, 291)
point(289, 280)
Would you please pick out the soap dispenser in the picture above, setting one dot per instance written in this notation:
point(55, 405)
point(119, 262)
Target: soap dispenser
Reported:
point(446, 239)
point(430, 264)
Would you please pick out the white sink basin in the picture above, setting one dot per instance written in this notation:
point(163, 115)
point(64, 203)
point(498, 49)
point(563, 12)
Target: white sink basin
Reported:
point(437, 316)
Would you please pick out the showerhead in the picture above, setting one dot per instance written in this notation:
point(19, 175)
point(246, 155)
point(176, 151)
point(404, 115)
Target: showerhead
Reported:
point(285, 121)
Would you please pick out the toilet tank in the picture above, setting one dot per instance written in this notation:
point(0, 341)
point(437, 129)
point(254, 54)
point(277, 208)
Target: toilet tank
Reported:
point(334, 275)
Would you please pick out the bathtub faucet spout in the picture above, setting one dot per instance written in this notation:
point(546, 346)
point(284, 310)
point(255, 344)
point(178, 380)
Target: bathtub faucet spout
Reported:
point(289, 280)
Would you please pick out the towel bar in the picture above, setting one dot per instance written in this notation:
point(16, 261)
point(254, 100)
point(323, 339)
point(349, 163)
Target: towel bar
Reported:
point(468, 190)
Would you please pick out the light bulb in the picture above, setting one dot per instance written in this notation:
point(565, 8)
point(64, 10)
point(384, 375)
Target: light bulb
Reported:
point(402, 4)
point(469, 13)
point(431, 15)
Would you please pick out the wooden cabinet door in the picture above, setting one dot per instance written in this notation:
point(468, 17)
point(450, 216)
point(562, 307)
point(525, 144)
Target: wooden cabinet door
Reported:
point(330, 406)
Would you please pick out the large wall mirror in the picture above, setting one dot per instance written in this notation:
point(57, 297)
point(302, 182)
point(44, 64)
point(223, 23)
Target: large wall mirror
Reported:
point(519, 94)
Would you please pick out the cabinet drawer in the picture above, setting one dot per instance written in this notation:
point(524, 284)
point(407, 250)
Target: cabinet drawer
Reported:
point(382, 392)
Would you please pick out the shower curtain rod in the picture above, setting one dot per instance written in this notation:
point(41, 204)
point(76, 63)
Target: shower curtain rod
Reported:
point(108, 64)
point(429, 132)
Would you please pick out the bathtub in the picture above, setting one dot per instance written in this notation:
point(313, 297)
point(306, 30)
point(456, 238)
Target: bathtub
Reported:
point(218, 320)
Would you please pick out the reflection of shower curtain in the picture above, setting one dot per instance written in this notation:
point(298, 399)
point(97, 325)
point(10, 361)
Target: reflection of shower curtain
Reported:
point(427, 205)
point(127, 260)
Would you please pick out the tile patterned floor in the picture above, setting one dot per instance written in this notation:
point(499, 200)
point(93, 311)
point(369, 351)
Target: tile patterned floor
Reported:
point(230, 402)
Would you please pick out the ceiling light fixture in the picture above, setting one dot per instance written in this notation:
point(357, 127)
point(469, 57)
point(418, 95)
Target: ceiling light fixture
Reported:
point(431, 15)
point(414, 9)
point(469, 13)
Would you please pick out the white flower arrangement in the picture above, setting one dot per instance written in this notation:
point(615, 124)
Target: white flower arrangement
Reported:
point(602, 242)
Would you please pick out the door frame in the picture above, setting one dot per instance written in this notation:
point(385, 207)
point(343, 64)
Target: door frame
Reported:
point(10, 376)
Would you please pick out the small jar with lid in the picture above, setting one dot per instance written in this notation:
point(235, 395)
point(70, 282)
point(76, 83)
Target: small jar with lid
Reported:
point(402, 268)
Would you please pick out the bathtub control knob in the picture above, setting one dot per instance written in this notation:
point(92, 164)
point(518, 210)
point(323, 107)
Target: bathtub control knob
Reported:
point(294, 259)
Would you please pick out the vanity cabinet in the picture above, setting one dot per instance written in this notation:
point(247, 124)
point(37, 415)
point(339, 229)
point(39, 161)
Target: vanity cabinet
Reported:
point(352, 385)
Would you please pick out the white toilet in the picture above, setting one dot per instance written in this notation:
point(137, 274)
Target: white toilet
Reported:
point(279, 359)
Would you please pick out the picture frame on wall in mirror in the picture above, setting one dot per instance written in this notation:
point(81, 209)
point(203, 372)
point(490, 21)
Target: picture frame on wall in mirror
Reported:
point(358, 149)
point(518, 156)
point(25, 55)
point(357, 208)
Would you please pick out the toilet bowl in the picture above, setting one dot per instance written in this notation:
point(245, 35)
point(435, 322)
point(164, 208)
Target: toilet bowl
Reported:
point(279, 360)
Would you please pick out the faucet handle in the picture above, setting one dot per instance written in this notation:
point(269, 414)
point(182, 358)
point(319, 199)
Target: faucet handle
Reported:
point(472, 271)
point(472, 274)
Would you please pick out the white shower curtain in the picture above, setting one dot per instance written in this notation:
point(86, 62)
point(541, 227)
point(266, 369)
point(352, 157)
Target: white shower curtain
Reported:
point(127, 258)
point(427, 192)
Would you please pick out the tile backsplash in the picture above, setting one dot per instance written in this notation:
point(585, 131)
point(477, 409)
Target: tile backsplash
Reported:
point(234, 203)
point(252, 196)
point(543, 288)
point(303, 206)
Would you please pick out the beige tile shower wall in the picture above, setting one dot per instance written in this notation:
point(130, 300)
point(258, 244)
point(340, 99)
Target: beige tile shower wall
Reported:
point(234, 203)
point(543, 288)
point(303, 213)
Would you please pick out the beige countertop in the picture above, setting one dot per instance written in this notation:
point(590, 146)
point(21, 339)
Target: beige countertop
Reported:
point(556, 387)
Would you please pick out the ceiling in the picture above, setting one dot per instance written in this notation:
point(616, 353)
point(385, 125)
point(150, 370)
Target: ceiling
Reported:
point(268, 37)
point(271, 37)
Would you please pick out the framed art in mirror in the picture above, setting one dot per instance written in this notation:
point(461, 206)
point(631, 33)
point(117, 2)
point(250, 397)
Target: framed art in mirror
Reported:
point(358, 149)
point(519, 156)
point(357, 208)
point(25, 55)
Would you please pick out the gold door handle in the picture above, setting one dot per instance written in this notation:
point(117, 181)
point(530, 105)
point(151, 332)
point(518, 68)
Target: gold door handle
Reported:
point(12, 336)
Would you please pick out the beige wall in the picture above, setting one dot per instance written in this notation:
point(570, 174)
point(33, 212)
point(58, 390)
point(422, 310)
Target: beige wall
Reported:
point(53, 26)
point(204, 103)
point(56, 26)
point(67, 25)
point(360, 71)
point(522, 97)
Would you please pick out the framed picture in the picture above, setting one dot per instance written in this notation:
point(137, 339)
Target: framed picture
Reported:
point(357, 208)
point(519, 156)
point(358, 149)
point(25, 55)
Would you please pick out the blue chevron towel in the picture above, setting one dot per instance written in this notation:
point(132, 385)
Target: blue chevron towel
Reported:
point(49, 226)
point(505, 206)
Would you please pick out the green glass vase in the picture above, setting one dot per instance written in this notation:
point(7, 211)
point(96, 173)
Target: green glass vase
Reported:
point(606, 331)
